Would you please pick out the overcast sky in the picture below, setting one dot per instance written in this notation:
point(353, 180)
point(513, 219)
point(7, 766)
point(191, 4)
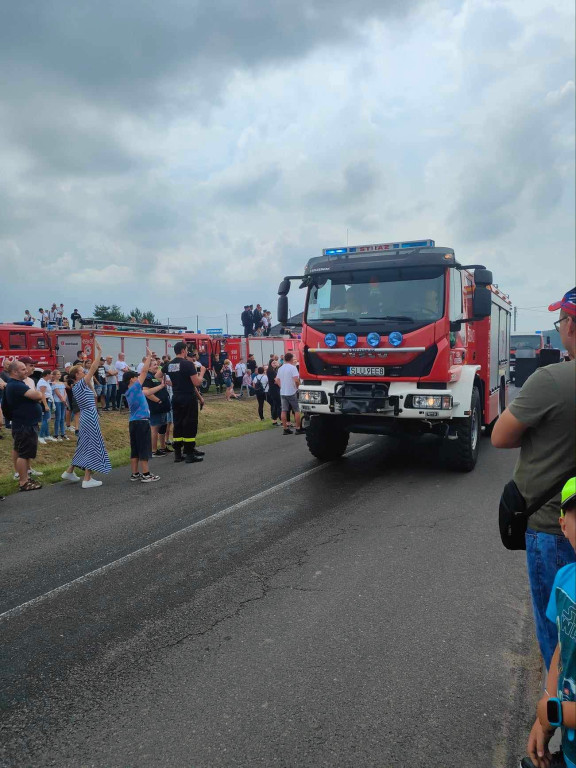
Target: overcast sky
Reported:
point(182, 156)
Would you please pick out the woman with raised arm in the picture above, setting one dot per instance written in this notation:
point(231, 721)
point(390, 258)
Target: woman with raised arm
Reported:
point(90, 452)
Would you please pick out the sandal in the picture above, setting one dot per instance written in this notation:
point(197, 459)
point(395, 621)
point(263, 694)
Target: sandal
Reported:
point(30, 485)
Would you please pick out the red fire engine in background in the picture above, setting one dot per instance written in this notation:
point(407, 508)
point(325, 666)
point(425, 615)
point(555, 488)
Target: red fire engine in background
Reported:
point(400, 338)
point(52, 348)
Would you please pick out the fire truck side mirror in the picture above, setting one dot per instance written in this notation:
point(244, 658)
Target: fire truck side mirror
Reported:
point(482, 302)
point(284, 287)
point(282, 313)
point(483, 277)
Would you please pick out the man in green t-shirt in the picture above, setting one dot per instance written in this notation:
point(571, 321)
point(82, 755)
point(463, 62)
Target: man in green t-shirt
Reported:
point(541, 422)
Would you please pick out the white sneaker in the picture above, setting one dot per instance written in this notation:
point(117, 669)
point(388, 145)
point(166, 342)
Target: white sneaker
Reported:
point(16, 476)
point(70, 429)
point(35, 473)
point(42, 441)
point(64, 437)
point(91, 483)
point(71, 476)
point(50, 439)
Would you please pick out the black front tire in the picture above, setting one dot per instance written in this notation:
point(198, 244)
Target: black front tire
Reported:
point(325, 438)
point(463, 452)
point(206, 382)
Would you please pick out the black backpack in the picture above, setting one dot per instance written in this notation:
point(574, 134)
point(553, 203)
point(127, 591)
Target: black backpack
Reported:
point(257, 384)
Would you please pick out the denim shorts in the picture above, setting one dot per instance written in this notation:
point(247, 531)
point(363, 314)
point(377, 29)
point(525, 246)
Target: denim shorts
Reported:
point(290, 402)
point(158, 419)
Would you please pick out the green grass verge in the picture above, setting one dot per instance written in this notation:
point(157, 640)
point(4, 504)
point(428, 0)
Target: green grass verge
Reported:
point(121, 456)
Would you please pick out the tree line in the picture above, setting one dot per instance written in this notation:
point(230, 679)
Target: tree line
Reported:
point(115, 313)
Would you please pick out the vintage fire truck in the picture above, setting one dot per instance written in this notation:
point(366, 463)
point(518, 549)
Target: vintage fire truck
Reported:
point(400, 338)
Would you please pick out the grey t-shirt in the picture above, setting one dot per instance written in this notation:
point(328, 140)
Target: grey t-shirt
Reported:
point(546, 403)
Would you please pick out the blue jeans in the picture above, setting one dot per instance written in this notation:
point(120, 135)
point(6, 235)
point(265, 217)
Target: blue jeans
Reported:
point(59, 419)
point(44, 430)
point(110, 395)
point(545, 555)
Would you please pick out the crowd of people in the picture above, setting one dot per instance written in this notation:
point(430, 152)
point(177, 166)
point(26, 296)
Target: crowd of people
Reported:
point(161, 394)
point(53, 317)
point(540, 422)
point(256, 321)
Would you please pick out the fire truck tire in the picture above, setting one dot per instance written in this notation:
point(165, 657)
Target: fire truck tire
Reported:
point(325, 438)
point(206, 381)
point(463, 452)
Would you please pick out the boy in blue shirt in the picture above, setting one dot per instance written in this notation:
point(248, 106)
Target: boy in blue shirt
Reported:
point(557, 708)
point(139, 424)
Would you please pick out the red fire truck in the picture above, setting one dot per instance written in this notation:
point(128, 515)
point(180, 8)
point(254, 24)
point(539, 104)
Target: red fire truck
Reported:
point(54, 347)
point(400, 338)
point(238, 348)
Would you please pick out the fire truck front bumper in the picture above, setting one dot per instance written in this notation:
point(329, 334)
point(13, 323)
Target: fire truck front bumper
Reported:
point(397, 400)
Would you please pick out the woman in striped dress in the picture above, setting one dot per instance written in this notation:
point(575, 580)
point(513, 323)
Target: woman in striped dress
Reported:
point(90, 452)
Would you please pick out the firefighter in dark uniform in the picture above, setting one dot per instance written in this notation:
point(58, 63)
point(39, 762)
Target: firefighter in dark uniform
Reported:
point(185, 378)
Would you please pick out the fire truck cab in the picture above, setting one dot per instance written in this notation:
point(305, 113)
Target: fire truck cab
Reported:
point(20, 340)
point(400, 338)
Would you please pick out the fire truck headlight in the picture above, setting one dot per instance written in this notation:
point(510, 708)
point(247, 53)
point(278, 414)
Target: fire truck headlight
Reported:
point(330, 339)
point(308, 396)
point(443, 402)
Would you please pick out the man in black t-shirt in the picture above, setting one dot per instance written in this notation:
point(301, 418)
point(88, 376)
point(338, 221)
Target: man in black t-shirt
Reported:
point(247, 320)
point(21, 405)
point(185, 378)
point(160, 406)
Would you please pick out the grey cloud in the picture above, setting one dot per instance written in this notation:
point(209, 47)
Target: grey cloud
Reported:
point(517, 163)
point(251, 191)
point(350, 187)
point(125, 50)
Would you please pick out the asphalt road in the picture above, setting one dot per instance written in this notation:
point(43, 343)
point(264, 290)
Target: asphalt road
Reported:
point(263, 609)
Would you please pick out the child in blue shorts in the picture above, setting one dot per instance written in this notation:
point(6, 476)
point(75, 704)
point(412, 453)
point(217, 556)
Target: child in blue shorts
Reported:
point(557, 708)
point(139, 424)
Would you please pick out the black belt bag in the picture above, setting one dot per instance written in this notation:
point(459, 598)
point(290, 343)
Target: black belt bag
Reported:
point(513, 512)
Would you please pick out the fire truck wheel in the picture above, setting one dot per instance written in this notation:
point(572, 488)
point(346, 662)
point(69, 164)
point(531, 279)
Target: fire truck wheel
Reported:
point(325, 438)
point(206, 381)
point(463, 452)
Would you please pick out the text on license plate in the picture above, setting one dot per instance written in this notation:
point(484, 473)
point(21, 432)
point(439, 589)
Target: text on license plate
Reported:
point(355, 370)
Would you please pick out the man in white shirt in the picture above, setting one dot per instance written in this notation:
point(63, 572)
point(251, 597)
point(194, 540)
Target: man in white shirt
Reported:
point(141, 365)
point(121, 365)
point(239, 370)
point(288, 379)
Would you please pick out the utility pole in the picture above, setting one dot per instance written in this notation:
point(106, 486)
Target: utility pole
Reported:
point(226, 324)
point(197, 321)
point(515, 316)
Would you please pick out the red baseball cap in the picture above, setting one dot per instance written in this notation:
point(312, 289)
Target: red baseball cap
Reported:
point(27, 360)
point(567, 303)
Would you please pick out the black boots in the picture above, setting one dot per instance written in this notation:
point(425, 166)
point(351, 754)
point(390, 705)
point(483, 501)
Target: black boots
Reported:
point(192, 458)
point(177, 453)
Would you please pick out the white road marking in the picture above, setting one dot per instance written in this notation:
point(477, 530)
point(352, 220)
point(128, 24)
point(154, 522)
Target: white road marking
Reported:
point(160, 542)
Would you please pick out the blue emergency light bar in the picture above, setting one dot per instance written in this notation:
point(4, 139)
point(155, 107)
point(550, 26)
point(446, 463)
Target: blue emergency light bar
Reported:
point(378, 247)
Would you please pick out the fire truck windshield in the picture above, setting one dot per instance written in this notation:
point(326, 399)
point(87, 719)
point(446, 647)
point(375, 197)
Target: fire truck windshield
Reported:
point(410, 296)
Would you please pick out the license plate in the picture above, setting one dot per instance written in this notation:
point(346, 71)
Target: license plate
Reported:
point(355, 370)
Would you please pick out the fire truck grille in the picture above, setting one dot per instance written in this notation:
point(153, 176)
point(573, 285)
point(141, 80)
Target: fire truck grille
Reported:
point(420, 366)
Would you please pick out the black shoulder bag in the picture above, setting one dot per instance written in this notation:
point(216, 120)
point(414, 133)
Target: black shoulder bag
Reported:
point(513, 512)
